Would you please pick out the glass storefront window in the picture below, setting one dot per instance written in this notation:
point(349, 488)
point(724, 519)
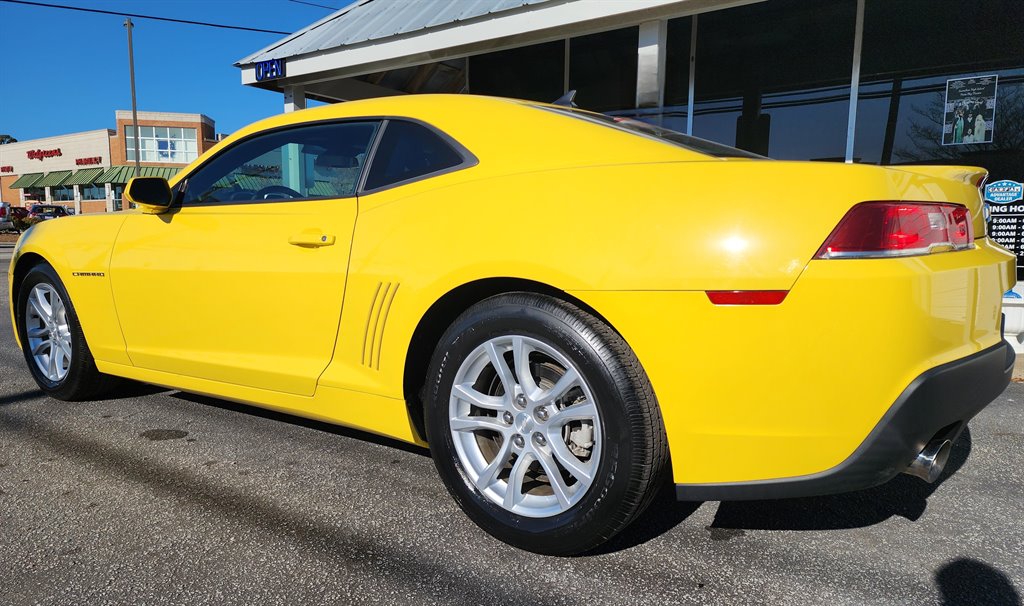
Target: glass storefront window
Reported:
point(93, 191)
point(62, 194)
point(35, 194)
point(602, 69)
point(162, 144)
point(774, 77)
point(535, 73)
point(902, 112)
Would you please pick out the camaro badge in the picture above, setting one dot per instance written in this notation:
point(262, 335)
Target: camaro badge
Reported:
point(88, 274)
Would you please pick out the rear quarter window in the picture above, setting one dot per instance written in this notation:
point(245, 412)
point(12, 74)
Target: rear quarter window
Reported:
point(408, 151)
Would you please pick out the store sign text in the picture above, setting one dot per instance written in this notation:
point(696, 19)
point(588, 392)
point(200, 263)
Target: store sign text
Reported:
point(88, 161)
point(6, 169)
point(268, 70)
point(39, 154)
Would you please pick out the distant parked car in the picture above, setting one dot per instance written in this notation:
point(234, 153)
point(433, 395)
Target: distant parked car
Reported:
point(6, 219)
point(48, 211)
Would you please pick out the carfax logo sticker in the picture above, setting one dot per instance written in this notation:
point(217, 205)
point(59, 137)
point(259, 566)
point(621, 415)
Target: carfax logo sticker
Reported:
point(1004, 192)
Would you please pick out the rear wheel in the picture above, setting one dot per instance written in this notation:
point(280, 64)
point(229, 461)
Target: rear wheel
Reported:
point(542, 424)
point(52, 340)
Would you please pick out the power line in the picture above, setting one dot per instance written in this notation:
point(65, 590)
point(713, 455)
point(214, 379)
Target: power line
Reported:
point(137, 16)
point(313, 4)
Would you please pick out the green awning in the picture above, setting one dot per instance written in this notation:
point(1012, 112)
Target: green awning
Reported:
point(53, 179)
point(26, 180)
point(84, 176)
point(123, 173)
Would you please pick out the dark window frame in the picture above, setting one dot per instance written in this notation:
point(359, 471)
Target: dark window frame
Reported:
point(469, 160)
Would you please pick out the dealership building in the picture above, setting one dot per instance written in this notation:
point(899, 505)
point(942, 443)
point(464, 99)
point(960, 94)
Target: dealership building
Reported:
point(87, 171)
point(873, 81)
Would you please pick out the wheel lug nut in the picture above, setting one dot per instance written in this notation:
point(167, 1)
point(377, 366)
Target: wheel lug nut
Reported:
point(521, 401)
point(506, 417)
point(518, 441)
point(541, 414)
point(539, 440)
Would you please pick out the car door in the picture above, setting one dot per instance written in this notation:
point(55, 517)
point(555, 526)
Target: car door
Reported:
point(242, 281)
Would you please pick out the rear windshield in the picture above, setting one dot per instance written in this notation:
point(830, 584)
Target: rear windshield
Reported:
point(696, 144)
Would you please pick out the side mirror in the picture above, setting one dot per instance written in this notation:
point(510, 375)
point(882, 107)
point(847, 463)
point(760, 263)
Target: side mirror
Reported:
point(151, 194)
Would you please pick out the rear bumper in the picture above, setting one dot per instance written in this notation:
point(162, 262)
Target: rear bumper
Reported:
point(937, 404)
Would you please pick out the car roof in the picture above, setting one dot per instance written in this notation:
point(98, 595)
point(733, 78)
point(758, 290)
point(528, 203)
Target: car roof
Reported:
point(504, 134)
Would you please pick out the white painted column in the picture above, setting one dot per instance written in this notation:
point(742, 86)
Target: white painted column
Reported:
point(851, 121)
point(78, 199)
point(294, 98)
point(47, 197)
point(650, 66)
point(109, 197)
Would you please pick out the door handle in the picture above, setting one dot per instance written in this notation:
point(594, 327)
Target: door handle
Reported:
point(311, 240)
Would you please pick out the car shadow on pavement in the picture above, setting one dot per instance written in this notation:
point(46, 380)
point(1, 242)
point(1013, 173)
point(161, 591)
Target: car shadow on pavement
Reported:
point(968, 582)
point(664, 514)
point(21, 396)
point(302, 421)
point(903, 496)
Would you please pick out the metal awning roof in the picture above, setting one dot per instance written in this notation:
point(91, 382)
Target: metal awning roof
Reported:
point(123, 173)
point(371, 37)
point(26, 180)
point(86, 175)
point(366, 20)
point(53, 179)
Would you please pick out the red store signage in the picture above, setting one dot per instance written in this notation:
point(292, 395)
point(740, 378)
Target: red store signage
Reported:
point(87, 161)
point(39, 154)
point(6, 169)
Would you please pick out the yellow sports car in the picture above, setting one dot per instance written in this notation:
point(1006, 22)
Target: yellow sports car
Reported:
point(566, 307)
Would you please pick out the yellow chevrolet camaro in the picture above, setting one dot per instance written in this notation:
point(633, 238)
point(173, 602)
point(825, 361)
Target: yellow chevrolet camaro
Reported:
point(567, 308)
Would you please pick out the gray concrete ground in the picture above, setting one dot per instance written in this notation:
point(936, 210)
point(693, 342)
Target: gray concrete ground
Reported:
point(160, 497)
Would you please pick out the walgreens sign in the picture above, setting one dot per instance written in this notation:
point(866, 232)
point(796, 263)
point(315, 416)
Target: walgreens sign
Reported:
point(39, 154)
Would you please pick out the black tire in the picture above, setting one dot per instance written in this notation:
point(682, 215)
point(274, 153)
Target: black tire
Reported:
point(634, 454)
point(82, 381)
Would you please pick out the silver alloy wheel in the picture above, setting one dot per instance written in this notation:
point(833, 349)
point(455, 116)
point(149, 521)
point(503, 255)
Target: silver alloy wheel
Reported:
point(49, 336)
point(528, 434)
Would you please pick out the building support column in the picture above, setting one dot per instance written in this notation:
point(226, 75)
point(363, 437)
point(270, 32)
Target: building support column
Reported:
point(78, 199)
point(294, 98)
point(46, 195)
point(650, 66)
point(109, 197)
point(851, 123)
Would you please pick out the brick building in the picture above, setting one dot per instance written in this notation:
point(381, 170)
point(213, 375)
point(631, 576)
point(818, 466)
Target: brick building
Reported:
point(87, 171)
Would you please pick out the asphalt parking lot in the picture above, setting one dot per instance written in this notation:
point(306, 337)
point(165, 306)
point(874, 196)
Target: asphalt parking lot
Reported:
point(158, 497)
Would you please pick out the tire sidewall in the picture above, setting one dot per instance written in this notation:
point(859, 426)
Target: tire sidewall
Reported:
point(80, 356)
point(570, 530)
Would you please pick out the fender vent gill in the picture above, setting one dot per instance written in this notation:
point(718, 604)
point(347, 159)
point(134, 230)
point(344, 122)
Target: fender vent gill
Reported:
point(376, 319)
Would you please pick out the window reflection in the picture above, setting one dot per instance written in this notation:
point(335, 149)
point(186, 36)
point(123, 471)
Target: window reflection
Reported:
point(774, 77)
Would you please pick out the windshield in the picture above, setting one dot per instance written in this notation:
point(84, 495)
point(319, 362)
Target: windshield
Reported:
point(666, 135)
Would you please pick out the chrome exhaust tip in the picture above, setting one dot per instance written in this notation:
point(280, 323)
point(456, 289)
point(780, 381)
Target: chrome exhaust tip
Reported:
point(930, 461)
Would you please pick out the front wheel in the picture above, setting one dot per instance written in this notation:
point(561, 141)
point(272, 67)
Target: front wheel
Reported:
point(52, 340)
point(542, 424)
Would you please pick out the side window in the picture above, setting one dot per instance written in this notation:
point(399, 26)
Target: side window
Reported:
point(408, 150)
point(315, 161)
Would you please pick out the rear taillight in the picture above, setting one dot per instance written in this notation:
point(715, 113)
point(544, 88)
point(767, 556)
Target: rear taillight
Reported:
point(899, 229)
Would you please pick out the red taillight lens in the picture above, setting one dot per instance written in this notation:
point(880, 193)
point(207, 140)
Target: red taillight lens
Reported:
point(899, 229)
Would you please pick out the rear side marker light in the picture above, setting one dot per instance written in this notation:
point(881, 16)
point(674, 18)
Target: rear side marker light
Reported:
point(746, 297)
point(899, 229)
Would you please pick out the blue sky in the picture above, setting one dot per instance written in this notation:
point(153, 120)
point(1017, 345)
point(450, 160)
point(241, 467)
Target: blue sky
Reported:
point(67, 71)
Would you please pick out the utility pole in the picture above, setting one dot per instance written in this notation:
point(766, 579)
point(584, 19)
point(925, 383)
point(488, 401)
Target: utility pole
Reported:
point(135, 114)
